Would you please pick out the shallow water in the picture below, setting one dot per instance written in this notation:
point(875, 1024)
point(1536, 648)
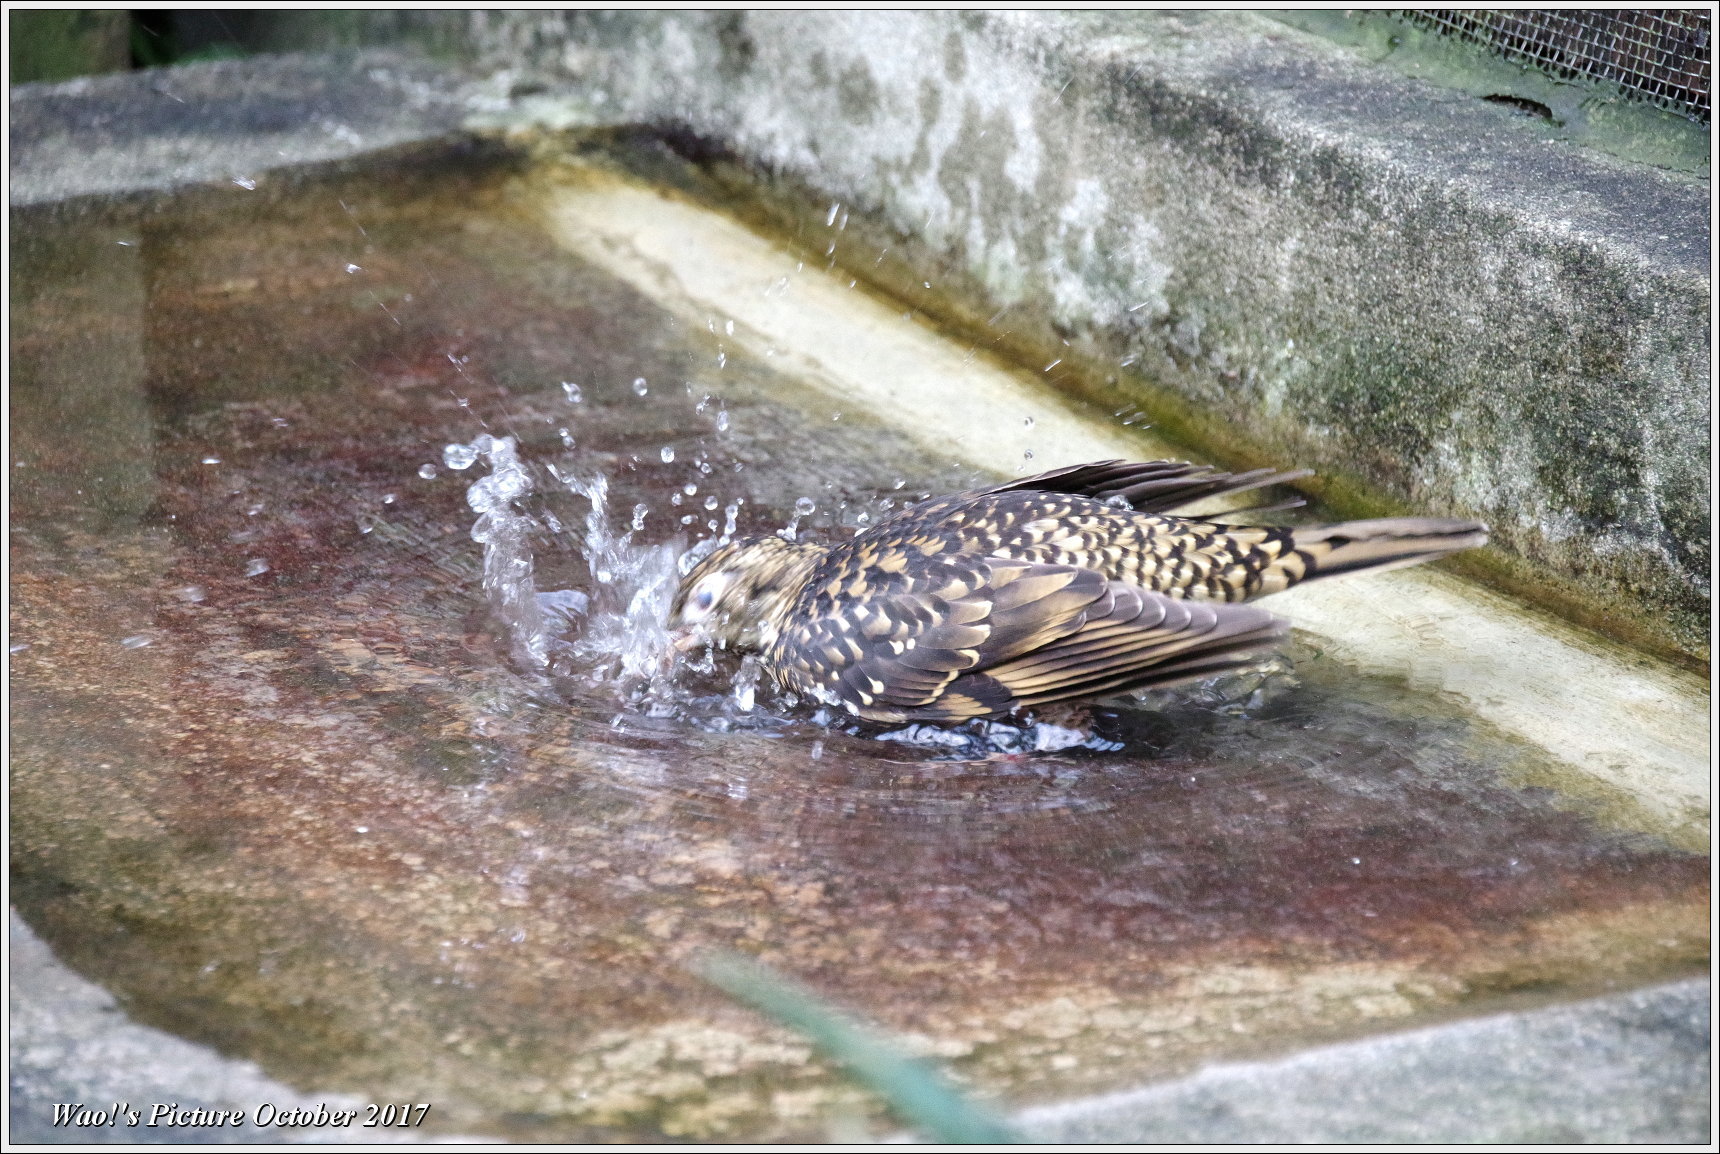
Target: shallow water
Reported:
point(303, 769)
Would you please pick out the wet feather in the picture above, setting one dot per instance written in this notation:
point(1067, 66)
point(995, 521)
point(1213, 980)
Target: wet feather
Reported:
point(1078, 582)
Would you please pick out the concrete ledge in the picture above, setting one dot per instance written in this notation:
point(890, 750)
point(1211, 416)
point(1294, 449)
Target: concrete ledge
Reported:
point(1625, 1068)
point(227, 124)
point(1278, 251)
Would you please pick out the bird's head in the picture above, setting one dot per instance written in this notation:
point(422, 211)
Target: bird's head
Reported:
point(739, 595)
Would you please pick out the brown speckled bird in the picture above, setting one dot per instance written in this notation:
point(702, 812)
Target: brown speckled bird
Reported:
point(1073, 583)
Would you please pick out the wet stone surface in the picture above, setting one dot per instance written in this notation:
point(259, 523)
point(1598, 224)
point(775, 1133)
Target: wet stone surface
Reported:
point(282, 782)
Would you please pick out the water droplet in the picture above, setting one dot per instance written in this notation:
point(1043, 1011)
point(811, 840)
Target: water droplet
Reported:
point(245, 183)
point(190, 593)
point(20, 646)
point(722, 358)
point(667, 453)
point(835, 207)
point(1028, 455)
point(729, 327)
point(574, 395)
point(705, 468)
point(722, 420)
point(352, 268)
point(639, 512)
point(427, 471)
point(1027, 422)
point(640, 388)
point(211, 460)
point(256, 567)
point(458, 457)
point(137, 641)
point(688, 519)
point(689, 488)
point(566, 437)
point(388, 498)
point(674, 498)
point(862, 518)
point(803, 506)
point(711, 502)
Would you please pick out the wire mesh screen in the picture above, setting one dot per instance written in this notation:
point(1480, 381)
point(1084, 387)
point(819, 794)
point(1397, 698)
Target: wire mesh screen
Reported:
point(1660, 56)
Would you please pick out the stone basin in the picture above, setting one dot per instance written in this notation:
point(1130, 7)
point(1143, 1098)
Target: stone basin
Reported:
point(279, 784)
point(282, 786)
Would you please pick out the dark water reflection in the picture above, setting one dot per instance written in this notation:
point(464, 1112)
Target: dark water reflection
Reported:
point(278, 785)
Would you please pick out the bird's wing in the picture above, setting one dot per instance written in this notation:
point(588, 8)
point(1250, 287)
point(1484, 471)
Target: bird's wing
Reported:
point(1133, 638)
point(886, 639)
point(1150, 486)
point(974, 636)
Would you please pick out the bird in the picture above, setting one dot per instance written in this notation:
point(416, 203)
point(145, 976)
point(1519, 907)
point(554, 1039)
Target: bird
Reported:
point(1077, 583)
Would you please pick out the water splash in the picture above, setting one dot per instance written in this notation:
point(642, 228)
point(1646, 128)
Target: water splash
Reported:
point(746, 683)
point(626, 636)
point(504, 529)
point(980, 740)
point(459, 457)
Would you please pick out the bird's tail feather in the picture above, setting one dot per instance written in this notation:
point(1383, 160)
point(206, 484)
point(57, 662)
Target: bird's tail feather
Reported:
point(1154, 486)
point(1391, 543)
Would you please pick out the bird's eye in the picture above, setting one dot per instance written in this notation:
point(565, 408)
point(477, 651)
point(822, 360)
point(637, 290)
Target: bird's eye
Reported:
point(702, 598)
